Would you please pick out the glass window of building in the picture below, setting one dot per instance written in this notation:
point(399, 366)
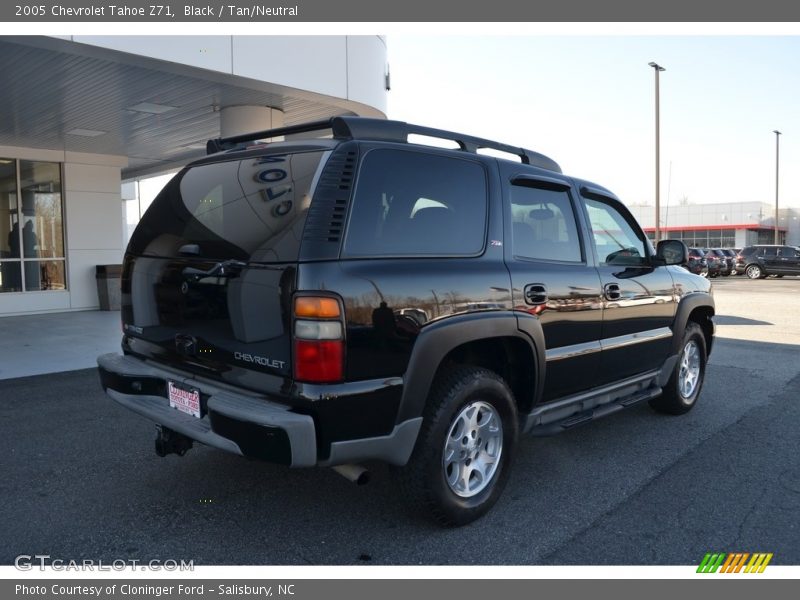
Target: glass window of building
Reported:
point(32, 256)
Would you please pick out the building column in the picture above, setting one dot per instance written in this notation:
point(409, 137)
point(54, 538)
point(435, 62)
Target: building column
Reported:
point(237, 120)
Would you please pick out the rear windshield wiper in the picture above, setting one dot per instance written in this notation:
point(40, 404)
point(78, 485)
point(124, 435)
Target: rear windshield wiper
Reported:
point(226, 268)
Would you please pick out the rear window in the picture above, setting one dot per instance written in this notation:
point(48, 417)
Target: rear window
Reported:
point(414, 203)
point(252, 209)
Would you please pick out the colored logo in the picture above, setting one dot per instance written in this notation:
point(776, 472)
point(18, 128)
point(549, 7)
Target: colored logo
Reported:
point(734, 562)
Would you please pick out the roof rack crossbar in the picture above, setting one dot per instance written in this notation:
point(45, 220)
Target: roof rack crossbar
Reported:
point(361, 128)
point(227, 143)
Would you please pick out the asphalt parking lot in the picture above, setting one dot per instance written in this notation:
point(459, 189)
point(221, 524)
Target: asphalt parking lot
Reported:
point(81, 480)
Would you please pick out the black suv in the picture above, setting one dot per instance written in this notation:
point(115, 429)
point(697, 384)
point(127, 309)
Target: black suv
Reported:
point(759, 261)
point(331, 301)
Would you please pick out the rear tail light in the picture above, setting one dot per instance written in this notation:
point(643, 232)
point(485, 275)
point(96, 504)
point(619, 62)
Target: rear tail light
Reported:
point(318, 339)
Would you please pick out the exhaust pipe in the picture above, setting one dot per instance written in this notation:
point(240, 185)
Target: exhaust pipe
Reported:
point(355, 473)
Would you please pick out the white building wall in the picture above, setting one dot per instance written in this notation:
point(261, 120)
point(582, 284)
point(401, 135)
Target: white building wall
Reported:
point(94, 222)
point(698, 215)
point(752, 214)
point(92, 216)
point(348, 67)
point(367, 68)
point(317, 63)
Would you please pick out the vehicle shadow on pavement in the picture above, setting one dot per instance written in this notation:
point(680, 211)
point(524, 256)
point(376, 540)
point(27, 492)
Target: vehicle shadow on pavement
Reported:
point(732, 320)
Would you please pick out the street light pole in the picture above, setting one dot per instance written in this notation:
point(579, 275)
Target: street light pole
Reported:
point(777, 164)
point(658, 68)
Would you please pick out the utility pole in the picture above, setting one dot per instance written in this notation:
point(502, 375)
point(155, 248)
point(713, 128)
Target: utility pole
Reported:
point(658, 68)
point(777, 165)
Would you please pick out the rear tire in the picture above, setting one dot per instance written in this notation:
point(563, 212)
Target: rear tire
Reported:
point(464, 451)
point(681, 392)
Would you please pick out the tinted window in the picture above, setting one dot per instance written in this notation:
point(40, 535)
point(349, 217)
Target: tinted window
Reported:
point(543, 225)
point(615, 239)
point(771, 251)
point(413, 203)
point(788, 251)
point(251, 209)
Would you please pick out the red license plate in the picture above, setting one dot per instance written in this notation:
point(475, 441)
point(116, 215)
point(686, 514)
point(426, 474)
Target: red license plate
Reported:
point(186, 400)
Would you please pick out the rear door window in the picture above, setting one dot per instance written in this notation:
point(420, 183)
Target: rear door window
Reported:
point(414, 203)
point(543, 225)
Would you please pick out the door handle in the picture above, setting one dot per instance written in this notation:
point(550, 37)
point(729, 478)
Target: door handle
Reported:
point(535, 293)
point(612, 291)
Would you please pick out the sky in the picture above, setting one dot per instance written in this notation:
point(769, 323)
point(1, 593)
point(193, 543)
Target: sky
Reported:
point(589, 103)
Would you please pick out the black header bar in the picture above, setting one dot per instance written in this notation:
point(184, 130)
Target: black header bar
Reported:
point(342, 11)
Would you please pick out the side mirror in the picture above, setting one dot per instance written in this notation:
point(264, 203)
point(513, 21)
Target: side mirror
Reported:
point(672, 252)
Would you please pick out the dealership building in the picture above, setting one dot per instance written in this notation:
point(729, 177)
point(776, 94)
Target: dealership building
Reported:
point(725, 225)
point(83, 115)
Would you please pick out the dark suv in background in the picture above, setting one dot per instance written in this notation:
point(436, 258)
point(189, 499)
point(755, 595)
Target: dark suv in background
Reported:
point(768, 259)
point(725, 262)
point(716, 264)
point(731, 254)
point(331, 301)
point(697, 262)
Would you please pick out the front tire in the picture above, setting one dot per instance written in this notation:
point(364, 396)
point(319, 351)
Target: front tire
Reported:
point(463, 455)
point(681, 392)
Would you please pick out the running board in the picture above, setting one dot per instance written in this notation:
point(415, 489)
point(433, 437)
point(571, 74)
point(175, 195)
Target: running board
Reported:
point(558, 416)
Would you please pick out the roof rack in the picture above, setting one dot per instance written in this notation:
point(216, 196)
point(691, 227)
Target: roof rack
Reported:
point(229, 143)
point(365, 128)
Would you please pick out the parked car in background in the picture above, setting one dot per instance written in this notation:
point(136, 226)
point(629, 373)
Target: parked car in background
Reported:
point(697, 263)
point(726, 265)
point(768, 259)
point(714, 262)
point(731, 254)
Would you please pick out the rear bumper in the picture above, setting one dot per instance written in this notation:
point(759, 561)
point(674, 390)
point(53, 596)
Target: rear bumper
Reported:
point(233, 421)
point(244, 423)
